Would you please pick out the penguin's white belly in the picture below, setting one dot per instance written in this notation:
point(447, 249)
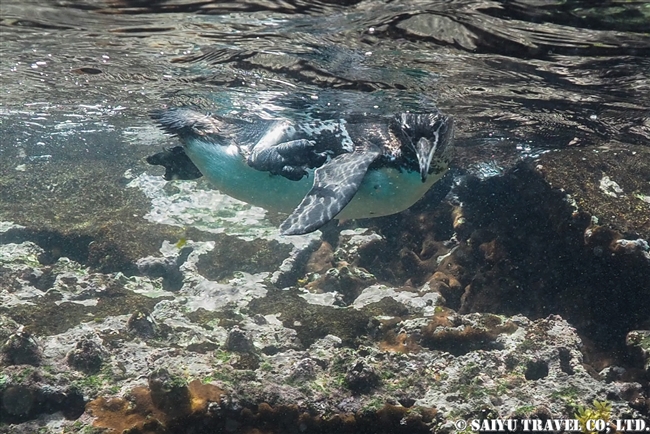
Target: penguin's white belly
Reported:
point(382, 192)
point(386, 191)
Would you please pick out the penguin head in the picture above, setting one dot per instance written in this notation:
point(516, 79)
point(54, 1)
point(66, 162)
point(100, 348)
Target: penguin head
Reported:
point(428, 135)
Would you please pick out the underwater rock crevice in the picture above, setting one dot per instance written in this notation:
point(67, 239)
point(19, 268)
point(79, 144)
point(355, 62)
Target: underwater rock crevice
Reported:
point(55, 244)
point(521, 247)
point(25, 400)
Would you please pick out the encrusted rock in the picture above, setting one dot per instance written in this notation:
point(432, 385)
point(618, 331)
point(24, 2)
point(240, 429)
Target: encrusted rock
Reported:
point(293, 266)
point(513, 248)
point(353, 243)
point(165, 267)
point(238, 342)
point(361, 377)
point(7, 328)
point(345, 279)
point(142, 324)
point(21, 349)
point(304, 369)
point(422, 302)
point(269, 335)
point(87, 356)
point(638, 341)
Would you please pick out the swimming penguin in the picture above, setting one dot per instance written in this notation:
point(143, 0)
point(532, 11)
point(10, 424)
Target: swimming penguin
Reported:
point(357, 167)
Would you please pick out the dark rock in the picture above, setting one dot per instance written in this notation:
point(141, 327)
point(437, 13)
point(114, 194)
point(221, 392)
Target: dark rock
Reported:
point(18, 400)
point(638, 343)
point(21, 349)
point(536, 370)
point(27, 394)
point(169, 394)
point(361, 377)
point(87, 357)
point(238, 342)
point(142, 324)
point(42, 279)
point(565, 361)
point(612, 373)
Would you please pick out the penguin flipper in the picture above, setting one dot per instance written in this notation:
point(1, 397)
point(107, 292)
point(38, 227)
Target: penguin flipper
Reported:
point(335, 184)
point(176, 163)
point(290, 159)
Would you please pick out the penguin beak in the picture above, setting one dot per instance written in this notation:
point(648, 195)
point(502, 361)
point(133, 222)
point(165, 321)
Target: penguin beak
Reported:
point(425, 150)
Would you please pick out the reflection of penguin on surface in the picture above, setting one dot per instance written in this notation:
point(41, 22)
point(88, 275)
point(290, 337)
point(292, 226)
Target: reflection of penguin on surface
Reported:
point(361, 166)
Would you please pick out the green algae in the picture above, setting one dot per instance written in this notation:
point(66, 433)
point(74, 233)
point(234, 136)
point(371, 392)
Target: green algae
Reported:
point(48, 318)
point(570, 395)
point(310, 321)
point(80, 209)
point(231, 254)
point(579, 171)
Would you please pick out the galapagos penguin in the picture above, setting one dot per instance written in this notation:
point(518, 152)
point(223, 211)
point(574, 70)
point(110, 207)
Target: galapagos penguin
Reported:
point(356, 167)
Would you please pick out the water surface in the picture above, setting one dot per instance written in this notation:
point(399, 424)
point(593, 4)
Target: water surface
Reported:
point(549, 75)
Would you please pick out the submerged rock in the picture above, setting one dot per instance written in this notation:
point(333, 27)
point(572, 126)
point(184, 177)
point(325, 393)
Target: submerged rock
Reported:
point(21, 348)
point(87, 356)
point(638, 342)
point(361, 377)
